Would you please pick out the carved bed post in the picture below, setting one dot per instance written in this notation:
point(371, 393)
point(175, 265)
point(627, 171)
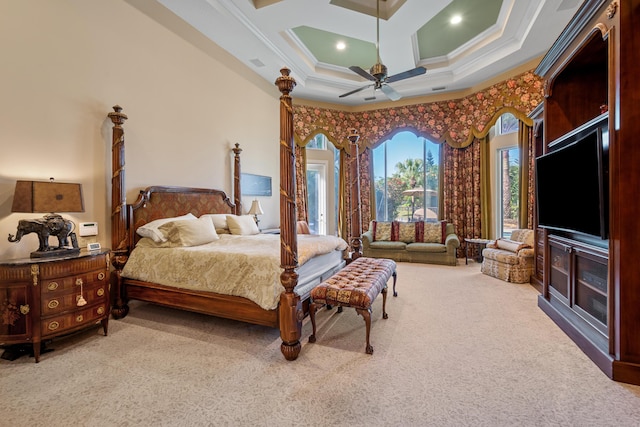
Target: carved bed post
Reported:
point(119, 247)
point(290, 312)
point(356, 212)
point(237, 196)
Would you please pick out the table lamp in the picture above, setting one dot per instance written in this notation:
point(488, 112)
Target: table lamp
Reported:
point(256, 210)
point(48, 197)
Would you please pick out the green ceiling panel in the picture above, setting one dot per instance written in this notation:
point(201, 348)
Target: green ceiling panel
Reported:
point(322, 44)
point(439, 37)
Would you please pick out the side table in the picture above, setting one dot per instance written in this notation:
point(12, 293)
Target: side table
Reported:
point(479, 243)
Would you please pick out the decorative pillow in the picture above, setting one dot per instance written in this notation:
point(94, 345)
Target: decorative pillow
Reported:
point(219, 222)
point(189, 232)
point(151, 229)
point(242, 225)
point(407, 232)
point(511, 245)
point(433, 232)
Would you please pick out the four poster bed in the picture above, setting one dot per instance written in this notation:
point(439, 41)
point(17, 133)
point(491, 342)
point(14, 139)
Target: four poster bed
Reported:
point(287, 299)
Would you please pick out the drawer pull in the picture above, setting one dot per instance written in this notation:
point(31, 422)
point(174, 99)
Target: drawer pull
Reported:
point(53, 304)
point(79, 318)
point(53, 326)
point(53, 286)
point(100, 292)
point(79, 282)
point(24, 309)
point(100, 310)
point(101, 275)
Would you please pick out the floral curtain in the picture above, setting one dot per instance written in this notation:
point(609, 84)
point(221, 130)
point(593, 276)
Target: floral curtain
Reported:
point(301, 183)
point(527, 194)
point(461, 189)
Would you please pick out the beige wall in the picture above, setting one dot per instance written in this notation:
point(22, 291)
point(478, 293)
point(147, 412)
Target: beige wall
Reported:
point(65, 63)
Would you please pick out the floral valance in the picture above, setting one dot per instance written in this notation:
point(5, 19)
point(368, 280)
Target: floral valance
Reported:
point(456, 122)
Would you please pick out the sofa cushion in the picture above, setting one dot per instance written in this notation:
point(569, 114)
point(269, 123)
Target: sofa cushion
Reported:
point(385, 231)
point(426, 247)
point(432, 232)
point(407, 232)
point(400, 246)
point(501, 255)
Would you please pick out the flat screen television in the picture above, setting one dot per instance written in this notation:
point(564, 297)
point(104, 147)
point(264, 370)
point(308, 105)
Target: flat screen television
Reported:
point(572, 186)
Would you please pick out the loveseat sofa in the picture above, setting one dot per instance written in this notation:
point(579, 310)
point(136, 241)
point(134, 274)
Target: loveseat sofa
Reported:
point(420, 241)
point(510, 259)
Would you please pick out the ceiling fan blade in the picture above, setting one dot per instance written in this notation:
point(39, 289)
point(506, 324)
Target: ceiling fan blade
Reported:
point(354, 91)
point(362, 72)
point(390, 92)
point(407, 74)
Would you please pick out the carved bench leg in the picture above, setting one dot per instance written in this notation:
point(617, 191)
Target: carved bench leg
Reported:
point(384, 303)
point(395, 276)
point(312, 316)
point(366, 314)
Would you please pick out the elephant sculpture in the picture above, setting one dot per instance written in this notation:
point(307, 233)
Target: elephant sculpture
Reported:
point(50, 225)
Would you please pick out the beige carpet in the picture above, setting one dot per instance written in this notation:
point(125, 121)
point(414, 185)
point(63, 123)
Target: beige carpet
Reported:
point(459, 349)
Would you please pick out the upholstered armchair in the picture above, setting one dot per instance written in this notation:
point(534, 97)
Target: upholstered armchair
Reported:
point(510, 259)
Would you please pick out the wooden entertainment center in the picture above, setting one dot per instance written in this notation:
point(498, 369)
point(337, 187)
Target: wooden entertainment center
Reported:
point(591, 280)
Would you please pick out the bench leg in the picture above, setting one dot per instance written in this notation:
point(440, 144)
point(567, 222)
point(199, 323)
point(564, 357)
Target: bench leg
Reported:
point(366, 314)
point(384, 303)
point(395, 276)
point(312, 316)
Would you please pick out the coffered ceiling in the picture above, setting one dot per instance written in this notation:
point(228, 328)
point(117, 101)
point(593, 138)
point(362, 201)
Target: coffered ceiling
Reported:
point(492, 37)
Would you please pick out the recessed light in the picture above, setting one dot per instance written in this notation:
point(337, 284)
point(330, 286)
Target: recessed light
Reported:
point(341, 46)
point(456, 19)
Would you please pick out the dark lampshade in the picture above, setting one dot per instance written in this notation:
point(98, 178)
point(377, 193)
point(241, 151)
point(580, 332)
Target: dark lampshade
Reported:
point(47, 197)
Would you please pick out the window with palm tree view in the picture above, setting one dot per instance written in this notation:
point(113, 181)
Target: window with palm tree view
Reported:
point(405, 170)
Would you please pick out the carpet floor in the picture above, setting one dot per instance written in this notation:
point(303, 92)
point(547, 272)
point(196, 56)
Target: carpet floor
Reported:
point(459, 349)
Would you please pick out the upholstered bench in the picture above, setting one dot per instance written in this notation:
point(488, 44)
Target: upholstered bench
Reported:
point(357, 285)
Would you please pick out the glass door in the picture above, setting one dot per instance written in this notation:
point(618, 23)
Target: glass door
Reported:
point(317, 194)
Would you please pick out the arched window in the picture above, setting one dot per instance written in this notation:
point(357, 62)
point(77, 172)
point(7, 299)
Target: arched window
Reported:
point(406, 170)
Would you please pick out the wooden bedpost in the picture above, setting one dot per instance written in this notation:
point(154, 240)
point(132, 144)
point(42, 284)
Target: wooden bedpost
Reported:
point(119, 246)
point(290, 311)
point(356, 211)
point(237, 194)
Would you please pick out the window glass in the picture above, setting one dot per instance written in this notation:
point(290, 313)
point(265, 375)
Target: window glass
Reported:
point(509, 174)
point(319, 142)
point(507, 123)
point(406, 178)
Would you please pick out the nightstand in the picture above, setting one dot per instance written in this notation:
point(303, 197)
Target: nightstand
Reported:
point(44, 298)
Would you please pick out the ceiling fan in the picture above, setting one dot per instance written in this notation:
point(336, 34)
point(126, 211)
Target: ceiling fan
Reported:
point(378, 72)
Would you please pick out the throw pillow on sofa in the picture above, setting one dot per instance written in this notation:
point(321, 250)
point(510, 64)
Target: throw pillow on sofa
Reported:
point(385, 231)
point(432, 232)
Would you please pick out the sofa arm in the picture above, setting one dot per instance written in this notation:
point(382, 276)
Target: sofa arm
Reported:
point(526, 253)
point(452, 242)
point(367, 238)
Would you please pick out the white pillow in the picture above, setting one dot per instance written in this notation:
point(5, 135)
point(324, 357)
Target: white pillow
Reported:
point(151, 229)
point(219, 221)
point(243, 225)
point(188, 232)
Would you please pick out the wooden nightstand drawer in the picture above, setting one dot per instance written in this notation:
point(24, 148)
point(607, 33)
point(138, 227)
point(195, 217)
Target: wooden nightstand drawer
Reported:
point(76, 320)
point(62, 284)
point(59, 302)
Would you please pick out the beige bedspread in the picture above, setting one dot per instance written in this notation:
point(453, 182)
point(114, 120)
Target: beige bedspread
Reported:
point(246, 266)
